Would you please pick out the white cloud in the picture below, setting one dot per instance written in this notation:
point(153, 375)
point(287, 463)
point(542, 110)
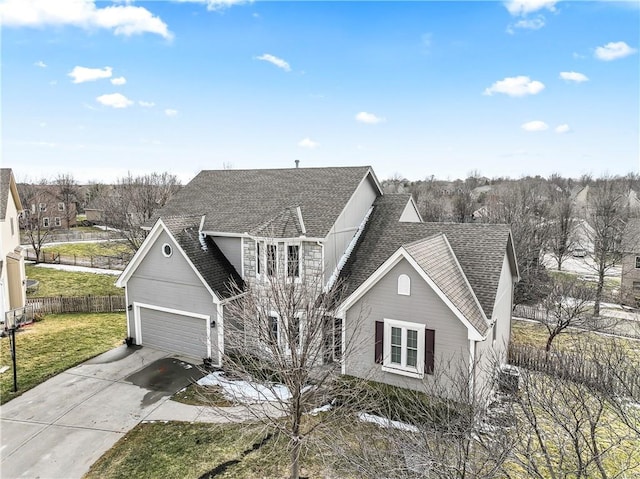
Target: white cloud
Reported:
point(170, 112)
point(527, 24)
point(308, 143)
point(121, 19)
point(524, 7)
point(40, 64)
point(564, 128)
point(574, 76)
point(218, 4)
point(535, 125)
point(613, 51)
point(515, 86)
point(146, 104)
point(119, 81)
point(369, 118)
point(84, 74)
point(279, 62)
point(114, 100)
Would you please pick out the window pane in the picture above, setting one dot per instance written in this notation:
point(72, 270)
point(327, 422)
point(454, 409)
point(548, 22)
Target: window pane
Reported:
point(396, 345)
point(396, 336)
point(273, 328)
point(272, 257)
point(396, 354)
point(293, 263)
point(258, 258)
point(412, 357)
point(412, 338)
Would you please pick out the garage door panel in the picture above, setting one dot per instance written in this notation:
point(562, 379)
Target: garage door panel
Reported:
point(173, 332)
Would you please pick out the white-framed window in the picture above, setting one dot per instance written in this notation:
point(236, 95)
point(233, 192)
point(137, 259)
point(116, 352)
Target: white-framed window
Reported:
point(42, 207)
point(57, 221)
point(60, 206)
point(285, 332)
point(45, 222)
point(293, 261)
point(404, 285)
point(271, 252)
point(637, 262)
point(167, 250)
point(404, 348)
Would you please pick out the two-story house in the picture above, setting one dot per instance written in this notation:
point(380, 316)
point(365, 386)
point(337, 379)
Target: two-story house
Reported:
point(431, 291)
point(12, 273)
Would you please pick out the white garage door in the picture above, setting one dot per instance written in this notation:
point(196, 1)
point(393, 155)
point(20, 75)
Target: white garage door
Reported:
point(175, 333)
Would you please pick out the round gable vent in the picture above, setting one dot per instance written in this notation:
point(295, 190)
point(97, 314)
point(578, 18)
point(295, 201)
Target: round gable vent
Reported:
point(167, 250)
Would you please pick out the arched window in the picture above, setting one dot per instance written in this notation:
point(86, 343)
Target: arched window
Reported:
point(404, 285)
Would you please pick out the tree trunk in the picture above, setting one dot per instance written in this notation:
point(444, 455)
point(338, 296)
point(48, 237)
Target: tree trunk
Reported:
point(598, 298)
point(295, 459)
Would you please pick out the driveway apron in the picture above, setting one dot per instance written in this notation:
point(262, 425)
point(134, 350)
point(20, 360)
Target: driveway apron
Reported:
point(61, 427)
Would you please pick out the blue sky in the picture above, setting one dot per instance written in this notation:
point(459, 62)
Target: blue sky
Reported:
point(98, 89)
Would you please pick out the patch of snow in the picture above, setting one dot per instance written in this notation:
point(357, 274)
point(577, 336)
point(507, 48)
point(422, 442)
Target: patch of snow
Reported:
point(245, 391)
point(384, 422)
point(317, 410)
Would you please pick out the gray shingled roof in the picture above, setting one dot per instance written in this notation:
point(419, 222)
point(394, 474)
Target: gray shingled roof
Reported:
point(240, 201)
point(438, 261)
point(211, 263)
point(479, 248)
point(5, 183)
point(631, 236)
point(284, 225)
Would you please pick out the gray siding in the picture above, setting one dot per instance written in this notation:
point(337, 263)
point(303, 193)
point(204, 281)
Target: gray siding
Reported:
point(490, 354)
point(502, 310)
point(346, 225)
point(169, 283)
point(422, 306)
point(410, 215)
point(232, 249)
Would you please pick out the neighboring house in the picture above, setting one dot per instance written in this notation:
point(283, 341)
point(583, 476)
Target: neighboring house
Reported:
point(630, 266)
point(433, 292)
point(12, 273)
point(51, 210)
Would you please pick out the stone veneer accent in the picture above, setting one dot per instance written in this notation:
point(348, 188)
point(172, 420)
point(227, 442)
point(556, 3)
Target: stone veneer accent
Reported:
point(311, 264)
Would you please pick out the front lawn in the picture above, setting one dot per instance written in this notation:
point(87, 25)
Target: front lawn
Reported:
point(178, 450)
point(55, 344)
point(55, 282)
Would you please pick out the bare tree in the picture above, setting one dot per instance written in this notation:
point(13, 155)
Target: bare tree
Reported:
point(573, 422)
point(566, 305)
point(35, 220)
point(429, 200)
point(66, 188)
point(524, 206)
point(133, 202)
point(605, 218)
point(285, 331)
point(561, 226)
point(463, 205)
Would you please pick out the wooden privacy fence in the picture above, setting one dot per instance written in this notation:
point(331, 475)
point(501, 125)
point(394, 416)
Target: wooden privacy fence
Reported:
point(623, 381)
point(78, 304)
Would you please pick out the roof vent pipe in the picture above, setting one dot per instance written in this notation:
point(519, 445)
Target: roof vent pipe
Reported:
point(297, 163)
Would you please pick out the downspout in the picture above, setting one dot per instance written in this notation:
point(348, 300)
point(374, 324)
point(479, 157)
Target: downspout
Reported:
point(472, 370)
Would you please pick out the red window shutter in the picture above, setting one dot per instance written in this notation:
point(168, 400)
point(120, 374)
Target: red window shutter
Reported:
point(429, 350)
point(379, 341)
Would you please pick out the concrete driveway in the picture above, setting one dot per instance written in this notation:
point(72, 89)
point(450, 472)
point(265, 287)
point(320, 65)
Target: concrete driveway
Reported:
point(61, 427)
